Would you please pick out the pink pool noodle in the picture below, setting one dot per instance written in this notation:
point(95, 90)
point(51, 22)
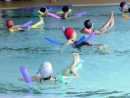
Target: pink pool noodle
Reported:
point(53, 15)
point(80, 14)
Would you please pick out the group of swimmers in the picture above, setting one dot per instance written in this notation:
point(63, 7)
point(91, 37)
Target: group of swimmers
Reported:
point(45, 71)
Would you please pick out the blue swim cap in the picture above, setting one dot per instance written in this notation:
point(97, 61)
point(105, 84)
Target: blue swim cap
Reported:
point(122, 4)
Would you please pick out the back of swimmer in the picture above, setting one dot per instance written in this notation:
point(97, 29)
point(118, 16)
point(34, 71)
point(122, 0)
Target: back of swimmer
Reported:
point(71, 37)
point(88, 27)
point(45, 71)
point(65, 12)
point(42, 11)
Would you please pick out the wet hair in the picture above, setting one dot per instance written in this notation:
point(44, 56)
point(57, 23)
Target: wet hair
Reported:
point(65, 8)
point(43, 9)
point(88, 24)
point(129, 10)
point(122, 4)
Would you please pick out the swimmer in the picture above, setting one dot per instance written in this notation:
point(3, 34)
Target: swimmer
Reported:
point(125, 10)
point(89, 26)
point(12, 28)
point(124, 7)
point(42, 11)
point(45, 72)
point(71, 37)
point(65, 12)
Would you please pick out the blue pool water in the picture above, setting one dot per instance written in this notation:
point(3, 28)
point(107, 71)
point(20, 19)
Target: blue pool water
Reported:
point(105, 74)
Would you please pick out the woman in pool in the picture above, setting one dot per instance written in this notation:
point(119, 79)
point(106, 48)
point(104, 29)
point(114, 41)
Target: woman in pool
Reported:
point(71, 37)
point(13, 28)
point(89, 26)
point(124, 7)
point(45, 71)
point(125, 10)
point(65, 12)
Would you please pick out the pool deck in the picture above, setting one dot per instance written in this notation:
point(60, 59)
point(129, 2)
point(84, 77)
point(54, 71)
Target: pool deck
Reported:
point(17, 4)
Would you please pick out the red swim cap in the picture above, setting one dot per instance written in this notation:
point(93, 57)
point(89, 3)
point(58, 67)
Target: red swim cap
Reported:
point(68, 32)
point(9, 23)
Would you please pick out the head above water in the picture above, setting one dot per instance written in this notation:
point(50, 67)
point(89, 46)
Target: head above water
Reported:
point(122, 4)
point(46, 70)
point(65, 8)
point(68, 32)
point(88, 24)
point(43, 9)
point(9, 23)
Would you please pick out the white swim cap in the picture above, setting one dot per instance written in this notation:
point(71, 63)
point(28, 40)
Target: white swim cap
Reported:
point(46, 70)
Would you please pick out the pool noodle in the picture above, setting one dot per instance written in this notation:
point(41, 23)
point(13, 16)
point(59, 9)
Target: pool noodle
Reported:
point(53, 15)
point(63, 29)
point(25, 74)
point(36, 24)
point(83, 38)
point(27, 24)
point(80, 14)
point(90, 37)
point(53, 40)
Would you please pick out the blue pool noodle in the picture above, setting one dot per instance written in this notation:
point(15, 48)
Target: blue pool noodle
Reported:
point(83, 38)
point(53, 40)
point(27, 24)
point(25, 74)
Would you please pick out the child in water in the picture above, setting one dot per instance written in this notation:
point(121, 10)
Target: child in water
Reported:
point(89, 26)
point(45, 71)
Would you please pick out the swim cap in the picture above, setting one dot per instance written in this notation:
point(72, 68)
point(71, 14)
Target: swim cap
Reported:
point(68, 32)
point(122, 4)
point(46, 70)
point(43, 9)
point(65, 8)
point(9, 23)
point(88, 24)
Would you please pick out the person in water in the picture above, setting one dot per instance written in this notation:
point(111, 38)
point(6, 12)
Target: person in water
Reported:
point(65, 12)
point(42, 11)
point(89, 26)
point(124, 10)
point(12, 28)
point(71, 37)
point(40, 23)
point(45, 71)
point(124, 7)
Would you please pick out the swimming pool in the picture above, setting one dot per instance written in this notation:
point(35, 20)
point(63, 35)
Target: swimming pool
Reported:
point(105, 74)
